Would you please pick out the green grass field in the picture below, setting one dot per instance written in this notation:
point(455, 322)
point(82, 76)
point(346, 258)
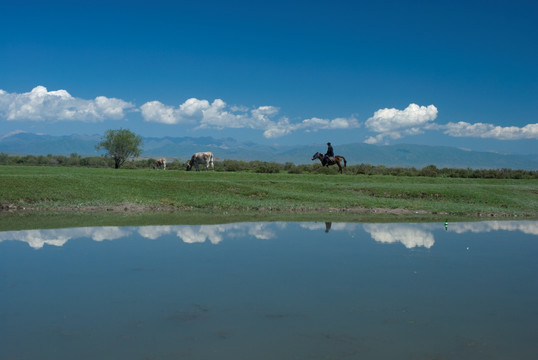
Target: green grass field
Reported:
point(74, 189)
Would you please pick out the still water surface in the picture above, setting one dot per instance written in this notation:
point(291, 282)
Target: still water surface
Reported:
point(271, 291)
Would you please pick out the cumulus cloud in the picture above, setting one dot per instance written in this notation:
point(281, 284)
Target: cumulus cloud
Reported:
point(43, 105)
point(280, 128)
point(156, 111)
point(315, 124)
point(201, 112)
point(394, 123)
point(481, 130)
point(218, 115)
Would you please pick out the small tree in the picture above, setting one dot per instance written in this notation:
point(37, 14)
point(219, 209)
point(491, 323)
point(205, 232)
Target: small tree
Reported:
point(120, 144)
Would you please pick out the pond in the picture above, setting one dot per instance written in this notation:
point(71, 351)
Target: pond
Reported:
point(271, 290)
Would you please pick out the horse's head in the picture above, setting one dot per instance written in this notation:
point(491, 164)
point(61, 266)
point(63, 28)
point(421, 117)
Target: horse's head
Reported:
point(189, 165)
point(317, 155)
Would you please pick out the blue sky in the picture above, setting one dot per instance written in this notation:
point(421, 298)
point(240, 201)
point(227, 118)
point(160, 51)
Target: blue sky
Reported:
point(455, 73)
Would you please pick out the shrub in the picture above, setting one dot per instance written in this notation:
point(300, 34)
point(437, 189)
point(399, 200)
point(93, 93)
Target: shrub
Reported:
point(268, 168)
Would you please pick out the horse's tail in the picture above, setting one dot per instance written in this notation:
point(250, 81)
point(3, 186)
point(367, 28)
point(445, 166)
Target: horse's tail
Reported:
point(345, 161)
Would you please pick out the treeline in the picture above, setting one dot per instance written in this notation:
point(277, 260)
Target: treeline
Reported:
point(270, 167)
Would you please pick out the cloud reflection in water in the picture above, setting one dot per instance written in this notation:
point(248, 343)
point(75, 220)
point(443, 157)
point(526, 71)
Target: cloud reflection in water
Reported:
point(526, 227)
point(58, 237)
point(410, 235)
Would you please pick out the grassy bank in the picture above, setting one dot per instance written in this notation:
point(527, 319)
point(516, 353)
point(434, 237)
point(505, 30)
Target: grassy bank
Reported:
point(55, 189)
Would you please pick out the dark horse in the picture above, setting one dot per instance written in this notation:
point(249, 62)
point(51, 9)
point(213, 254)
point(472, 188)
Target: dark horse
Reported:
point(337, 159)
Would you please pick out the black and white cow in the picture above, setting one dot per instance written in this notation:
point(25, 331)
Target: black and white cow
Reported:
point(201, 158)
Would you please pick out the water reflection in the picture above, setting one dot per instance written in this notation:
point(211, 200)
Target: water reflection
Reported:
point(526, 227)
point(58, 237)
point(264, 290)
point(410, 235)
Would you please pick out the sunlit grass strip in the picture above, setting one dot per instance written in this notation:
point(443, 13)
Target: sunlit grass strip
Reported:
point(54, 188)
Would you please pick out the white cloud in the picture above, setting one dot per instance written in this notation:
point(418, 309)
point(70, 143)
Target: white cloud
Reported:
point(281, 128)
point(193, 107)
point(379, 137)
point(190, 111)
point(219, 115)
point(314, 124)
point(156, 111)
point(262, 116)
point(394, 123)
point(481, 130)
point(43, 105)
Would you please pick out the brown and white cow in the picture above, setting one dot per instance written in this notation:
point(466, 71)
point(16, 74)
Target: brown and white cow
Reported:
point(201, 158)
point(160, 163)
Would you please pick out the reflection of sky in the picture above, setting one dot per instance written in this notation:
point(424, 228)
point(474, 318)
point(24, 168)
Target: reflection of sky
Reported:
point(212, 233)
point(410, 235)
point(348, 227)
point(58, 237)
point(527, 227)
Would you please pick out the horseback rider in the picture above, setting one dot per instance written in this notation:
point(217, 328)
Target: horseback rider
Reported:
point(328, 154)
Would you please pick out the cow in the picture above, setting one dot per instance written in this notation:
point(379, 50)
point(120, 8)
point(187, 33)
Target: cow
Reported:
point(160, 163)
point(201, 158)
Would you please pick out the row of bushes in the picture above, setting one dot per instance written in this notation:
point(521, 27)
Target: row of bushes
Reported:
point(271, 167)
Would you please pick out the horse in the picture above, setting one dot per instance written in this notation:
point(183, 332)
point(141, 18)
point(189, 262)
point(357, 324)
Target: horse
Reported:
point(200, 158)
point(160, 163)
point(337, 159)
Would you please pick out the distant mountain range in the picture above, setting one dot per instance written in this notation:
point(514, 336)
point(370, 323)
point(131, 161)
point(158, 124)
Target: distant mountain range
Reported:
point(417, 156)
